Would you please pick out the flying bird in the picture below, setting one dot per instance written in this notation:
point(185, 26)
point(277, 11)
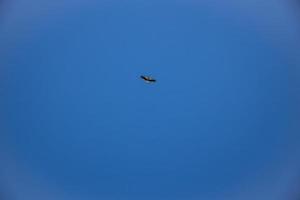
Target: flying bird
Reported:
point(148, 79)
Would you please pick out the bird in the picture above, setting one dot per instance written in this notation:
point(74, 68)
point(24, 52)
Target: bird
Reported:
point(148, 79)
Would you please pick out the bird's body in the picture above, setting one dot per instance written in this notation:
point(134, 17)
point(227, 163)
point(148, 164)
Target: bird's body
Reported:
point(148, 79)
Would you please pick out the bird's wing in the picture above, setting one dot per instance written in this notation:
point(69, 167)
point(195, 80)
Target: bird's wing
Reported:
point(148, 79)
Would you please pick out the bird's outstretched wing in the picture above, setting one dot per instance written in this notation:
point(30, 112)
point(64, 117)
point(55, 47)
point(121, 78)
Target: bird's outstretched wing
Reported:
point(148, 78)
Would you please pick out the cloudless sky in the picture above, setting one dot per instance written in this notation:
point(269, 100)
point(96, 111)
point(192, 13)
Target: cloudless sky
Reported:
point(79, 123)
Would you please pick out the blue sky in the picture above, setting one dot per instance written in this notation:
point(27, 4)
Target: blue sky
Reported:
point(79, 123)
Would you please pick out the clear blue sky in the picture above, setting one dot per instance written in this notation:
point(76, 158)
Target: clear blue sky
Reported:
point(79, 123)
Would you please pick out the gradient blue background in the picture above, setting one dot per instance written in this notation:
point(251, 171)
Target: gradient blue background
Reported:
point(222, 122)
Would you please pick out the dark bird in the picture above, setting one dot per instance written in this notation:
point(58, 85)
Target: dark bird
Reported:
point(148, 79)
